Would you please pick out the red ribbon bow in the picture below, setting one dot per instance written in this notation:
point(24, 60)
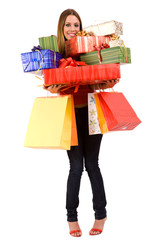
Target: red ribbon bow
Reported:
point(99, 48)
point(69, 62)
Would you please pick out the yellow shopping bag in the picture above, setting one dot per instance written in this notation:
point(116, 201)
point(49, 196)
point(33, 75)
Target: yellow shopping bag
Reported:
point(50, 123)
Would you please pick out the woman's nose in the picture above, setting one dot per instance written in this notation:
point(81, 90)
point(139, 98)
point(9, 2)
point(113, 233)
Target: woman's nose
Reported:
point(73, 28)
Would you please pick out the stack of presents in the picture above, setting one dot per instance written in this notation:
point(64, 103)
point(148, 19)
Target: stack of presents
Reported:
point(101, 52)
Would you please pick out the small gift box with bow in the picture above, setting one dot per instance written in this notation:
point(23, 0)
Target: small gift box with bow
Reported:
point(109, 55)
point(40, 59)
point(116, 41)
point(83, 44)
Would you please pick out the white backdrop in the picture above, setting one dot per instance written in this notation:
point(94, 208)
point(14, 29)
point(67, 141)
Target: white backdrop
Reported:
point(33, 182)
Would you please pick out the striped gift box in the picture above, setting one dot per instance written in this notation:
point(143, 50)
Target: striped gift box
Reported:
point(49, 43)
point(44, 59)
point(108, 55)
point(83, 44)
point(81, 75)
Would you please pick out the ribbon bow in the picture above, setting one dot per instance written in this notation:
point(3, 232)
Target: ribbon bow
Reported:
point(38, 48)
point(115, 37)
point(69, 62)
point(99, 48)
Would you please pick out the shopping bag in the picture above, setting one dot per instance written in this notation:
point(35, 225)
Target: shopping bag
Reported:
point(101, 118)
point(93, 122)
point(74, 136)
point(50, 124)
point(118, 113)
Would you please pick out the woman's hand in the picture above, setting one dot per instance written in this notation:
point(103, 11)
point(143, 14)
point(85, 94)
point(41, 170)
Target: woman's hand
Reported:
point(54, 88)
point(107, 84)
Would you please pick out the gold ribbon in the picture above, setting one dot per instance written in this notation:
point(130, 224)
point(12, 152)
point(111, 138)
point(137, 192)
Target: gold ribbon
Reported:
point(115, 37)
point(42, 63)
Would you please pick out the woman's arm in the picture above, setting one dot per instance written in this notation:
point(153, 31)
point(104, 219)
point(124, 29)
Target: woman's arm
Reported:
point(108, 84)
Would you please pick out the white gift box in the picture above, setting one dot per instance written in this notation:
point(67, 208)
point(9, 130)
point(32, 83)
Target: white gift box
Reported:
point(106, 28)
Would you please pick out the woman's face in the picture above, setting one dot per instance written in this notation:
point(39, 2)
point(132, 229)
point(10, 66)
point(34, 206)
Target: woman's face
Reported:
point(71, 27)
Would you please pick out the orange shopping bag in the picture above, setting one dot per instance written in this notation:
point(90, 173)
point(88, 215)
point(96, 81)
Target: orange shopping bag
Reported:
point(50, 124)
point(74, 137)
point(101, 118)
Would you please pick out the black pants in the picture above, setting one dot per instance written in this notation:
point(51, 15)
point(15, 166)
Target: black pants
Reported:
point(85, 153)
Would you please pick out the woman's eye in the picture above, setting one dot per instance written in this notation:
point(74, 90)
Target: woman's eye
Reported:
point(68, 25)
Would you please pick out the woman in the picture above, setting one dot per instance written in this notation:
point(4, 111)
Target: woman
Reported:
point(87, 151)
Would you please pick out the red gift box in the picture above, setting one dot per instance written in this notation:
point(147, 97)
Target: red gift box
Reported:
point(82, 75)
point(84, 44)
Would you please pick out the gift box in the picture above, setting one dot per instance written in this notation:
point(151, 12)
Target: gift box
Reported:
point(49, 42)
point(83, 44)
point(81, 75)
point(116, 43)
point(106, 28)
point(43, 59)
point(109, 55)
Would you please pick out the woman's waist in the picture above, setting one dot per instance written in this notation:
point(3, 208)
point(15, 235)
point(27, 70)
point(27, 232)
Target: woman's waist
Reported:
point(81, 105)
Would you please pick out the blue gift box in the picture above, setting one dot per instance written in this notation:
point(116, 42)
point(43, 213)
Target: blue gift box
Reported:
point(43, 59)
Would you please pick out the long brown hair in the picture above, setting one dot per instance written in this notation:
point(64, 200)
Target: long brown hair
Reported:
point(60, 30)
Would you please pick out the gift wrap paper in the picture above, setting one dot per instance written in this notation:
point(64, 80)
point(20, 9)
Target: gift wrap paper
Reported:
point(106, 28)
point(43, 59)
point(50, 123)
point(49, 43)
point(109, 55)
point(81, 75)
point(83, 44)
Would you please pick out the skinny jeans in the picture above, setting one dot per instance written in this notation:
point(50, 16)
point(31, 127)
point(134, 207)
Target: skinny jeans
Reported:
point(86, 155)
